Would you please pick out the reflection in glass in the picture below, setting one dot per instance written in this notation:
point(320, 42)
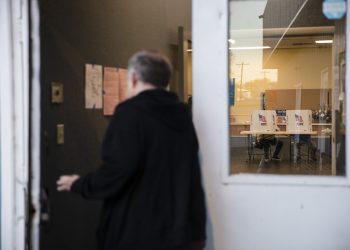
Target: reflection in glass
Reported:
point(287, 75)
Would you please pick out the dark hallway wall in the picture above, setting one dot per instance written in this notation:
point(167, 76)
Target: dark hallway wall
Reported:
point(114, 29)
point(73, 33)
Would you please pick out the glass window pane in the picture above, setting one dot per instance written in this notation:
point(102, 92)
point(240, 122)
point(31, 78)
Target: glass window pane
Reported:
point(287, 88)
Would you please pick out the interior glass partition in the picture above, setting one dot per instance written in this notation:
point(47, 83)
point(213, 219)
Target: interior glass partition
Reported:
point(287, 87)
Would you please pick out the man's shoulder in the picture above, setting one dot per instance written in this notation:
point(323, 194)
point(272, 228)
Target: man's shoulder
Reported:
point(129, 111)
point(131, 102)
point(125, 110)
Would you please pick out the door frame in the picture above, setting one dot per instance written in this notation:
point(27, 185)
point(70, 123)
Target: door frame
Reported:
point(14, 122)
point(35, 126)
point(6, 130)
point(211, 117)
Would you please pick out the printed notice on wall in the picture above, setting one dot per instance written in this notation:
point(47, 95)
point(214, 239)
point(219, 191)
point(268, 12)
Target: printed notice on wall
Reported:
point(110, 90)
point(109, 104)
point(123, 84)
point(93, 86)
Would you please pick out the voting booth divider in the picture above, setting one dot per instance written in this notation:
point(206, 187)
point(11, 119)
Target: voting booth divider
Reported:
point(263, 120)
point(299, 120)
point(296, 121)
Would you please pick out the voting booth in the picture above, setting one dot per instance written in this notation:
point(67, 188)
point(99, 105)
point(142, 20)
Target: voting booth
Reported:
point(263, 120)
point(299, 120)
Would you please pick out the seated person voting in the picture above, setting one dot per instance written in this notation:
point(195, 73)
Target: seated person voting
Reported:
point(301, 121)
point(265, 121)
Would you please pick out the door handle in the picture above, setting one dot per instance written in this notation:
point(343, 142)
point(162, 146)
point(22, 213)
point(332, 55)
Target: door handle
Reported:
point(45, 215)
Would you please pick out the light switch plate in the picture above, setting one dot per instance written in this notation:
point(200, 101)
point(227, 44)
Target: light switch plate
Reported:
point(56, 92)
point(60, 134)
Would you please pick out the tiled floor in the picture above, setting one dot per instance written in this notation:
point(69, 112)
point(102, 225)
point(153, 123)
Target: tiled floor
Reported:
point(241, 164)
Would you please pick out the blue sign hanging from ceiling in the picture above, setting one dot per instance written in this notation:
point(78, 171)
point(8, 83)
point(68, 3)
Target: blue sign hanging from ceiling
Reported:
point(232, 92)
point(334, 9)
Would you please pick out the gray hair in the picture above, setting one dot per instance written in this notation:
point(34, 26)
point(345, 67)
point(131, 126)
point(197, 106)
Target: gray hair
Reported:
point(151, 67)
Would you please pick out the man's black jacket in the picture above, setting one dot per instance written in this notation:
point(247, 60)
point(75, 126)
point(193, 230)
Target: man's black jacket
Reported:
point(150, 177)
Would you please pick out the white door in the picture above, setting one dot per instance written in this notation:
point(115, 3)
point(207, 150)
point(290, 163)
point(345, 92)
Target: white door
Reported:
point(294, 53)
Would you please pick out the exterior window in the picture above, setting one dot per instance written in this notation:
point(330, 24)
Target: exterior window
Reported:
point(287, 87)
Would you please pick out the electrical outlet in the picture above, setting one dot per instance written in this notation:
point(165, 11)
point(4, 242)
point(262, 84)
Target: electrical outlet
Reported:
point(60, 134)
point(56, 92)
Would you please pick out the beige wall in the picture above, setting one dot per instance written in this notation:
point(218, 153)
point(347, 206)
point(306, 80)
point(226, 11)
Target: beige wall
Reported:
point(297, 69)
point(301, 68)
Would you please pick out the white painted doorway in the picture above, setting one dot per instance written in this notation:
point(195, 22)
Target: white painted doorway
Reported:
point(14, 123)
point(252, 211)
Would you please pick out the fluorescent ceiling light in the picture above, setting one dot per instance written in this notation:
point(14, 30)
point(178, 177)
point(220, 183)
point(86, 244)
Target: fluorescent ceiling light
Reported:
point(250, 48)
point(232, 41)
point(324, 41)
point(189, 50)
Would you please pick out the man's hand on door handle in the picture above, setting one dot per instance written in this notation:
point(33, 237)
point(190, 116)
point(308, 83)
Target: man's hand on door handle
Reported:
point(65, 182)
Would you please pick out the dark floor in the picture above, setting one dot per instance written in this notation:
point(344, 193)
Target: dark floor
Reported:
point(241, 164)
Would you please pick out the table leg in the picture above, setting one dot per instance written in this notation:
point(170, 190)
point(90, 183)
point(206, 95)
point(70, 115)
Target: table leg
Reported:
point(249, 139)
point(290, 148)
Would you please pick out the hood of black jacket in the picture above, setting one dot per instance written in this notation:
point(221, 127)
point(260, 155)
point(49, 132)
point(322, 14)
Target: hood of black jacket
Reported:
point(163, 106)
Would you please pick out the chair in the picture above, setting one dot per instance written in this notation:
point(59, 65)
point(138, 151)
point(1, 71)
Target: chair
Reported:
point(299, 121)
point(302, 144)
point(252, 146)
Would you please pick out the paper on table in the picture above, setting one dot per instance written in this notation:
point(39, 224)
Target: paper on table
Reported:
point(110, 90)
point(123, 84)
point(93, 86)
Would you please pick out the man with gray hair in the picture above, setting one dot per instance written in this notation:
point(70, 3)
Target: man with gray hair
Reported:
point(150, 178)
